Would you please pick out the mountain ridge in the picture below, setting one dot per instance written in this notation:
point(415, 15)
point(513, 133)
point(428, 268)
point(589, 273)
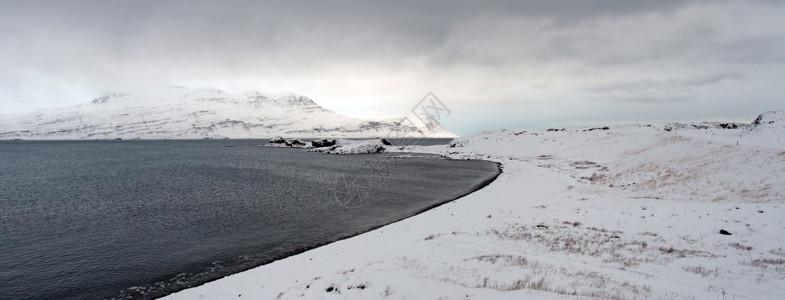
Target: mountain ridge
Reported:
point(181, 113)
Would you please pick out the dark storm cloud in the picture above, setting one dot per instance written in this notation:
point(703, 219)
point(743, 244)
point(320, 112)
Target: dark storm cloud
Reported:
point(181, 30)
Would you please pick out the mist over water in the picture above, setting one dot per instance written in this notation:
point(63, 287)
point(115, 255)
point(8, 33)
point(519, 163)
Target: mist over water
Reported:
point(135, 219)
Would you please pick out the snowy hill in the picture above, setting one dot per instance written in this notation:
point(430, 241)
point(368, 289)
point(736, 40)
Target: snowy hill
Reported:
point(664, 211)
point(769, 128)
point(181, 113)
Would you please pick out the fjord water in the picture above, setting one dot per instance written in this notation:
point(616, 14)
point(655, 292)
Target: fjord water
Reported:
point(141, 219)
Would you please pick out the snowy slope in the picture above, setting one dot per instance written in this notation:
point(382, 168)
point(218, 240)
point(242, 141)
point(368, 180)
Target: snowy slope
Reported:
point(202, 113)
point(625, 213)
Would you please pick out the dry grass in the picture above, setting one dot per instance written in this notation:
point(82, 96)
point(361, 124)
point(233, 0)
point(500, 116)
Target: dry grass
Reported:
point(573, 224)
point(702, 271)
point(583, 164)
point(510, 260)
point(598, 286)
point(740, 246)
point(516, 285)
point(777, 263)
point(514, 272)
point(764, 262)
point(682, 253)
point(595, 177)
point(611, 246)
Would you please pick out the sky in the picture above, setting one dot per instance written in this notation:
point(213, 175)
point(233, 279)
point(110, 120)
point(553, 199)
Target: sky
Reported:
point(494, 64)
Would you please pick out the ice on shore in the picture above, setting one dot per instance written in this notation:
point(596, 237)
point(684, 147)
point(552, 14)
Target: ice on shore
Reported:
point(631, 212)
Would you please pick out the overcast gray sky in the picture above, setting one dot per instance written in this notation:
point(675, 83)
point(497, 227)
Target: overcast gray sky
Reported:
point(502, 64)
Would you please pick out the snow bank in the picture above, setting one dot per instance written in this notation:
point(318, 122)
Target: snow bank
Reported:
point(624, 213)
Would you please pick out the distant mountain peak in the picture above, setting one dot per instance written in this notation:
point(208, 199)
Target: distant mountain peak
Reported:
point(296, 100)
point(108, 98)
point(180, 112)
point(203, 93)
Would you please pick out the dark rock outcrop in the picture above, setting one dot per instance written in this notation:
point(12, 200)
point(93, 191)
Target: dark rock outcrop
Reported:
point(294, 143)
point(277, 140)
point(323, 143)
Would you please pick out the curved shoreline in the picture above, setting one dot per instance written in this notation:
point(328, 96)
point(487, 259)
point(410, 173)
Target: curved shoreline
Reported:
point(473, 189)
point(550, 229)
point(295, 252)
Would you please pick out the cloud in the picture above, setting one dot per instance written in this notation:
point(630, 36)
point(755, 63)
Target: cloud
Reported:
point(359, 55)
point(661, 91)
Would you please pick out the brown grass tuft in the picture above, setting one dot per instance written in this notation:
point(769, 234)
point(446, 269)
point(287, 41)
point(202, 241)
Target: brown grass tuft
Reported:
point(740, 246)
point(702, 271)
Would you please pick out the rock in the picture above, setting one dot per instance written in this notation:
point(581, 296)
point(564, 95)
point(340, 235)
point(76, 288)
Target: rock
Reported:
point(294, 143)
point(323, 143)
point(352, 147)
point(277, 140)
point(376, 149)
point(457, 143)
point(724, 232)
point(728, 126)
point(386, 142)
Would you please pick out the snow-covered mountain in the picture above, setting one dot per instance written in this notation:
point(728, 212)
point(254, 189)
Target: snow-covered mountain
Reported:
point(181, 113)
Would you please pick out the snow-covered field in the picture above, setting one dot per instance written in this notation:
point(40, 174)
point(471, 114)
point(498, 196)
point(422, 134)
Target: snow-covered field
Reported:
point(623, 213)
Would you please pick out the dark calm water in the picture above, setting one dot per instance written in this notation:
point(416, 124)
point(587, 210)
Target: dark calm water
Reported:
point(141, 219)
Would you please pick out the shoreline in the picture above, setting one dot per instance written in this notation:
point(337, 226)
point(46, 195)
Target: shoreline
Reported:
point(380, 228)
point(474, 188)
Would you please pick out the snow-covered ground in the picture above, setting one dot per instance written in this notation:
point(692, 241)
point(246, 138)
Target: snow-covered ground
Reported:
point(623, 213)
